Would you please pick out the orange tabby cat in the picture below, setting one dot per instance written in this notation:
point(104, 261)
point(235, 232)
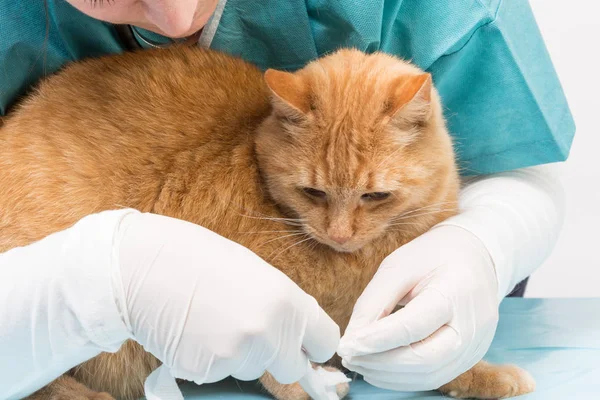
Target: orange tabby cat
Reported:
point(312, 171)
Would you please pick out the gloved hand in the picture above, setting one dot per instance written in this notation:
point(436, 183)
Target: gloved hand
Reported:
point(451, 280)
point(446, 279)
point(205, 306)
point(209, 308)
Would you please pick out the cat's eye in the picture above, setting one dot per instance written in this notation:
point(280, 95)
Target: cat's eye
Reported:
point(314, 193)
point(376, 196)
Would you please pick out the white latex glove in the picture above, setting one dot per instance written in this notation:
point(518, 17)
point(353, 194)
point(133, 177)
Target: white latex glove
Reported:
point(447, 281)
point(452, 280)
point(209, 308)
point(205, 306)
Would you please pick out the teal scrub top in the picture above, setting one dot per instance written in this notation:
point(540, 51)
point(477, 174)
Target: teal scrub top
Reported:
point(503, 101)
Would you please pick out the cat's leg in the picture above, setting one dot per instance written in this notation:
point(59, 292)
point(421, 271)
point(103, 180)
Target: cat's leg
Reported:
point(488, 381)
point(67, 388)
point(294, 391)
point(122, 374)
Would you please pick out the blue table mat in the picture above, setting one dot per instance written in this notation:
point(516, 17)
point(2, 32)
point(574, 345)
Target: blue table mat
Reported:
point(556, 340)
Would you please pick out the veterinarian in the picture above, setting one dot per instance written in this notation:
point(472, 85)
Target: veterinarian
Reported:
point(169, 284)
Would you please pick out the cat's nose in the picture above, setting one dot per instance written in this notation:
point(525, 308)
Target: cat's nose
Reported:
point(340, 239)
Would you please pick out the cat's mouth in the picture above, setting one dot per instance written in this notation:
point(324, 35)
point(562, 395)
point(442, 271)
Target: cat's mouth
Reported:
point(344, 248)
point(348, 247)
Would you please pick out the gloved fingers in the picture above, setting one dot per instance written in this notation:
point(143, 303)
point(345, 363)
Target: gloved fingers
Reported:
point(315, 385)
point(413, 386)
point(322, 334)
point(419, 319)
point(249, 374)
point(254, 365)
point(252, 357)
point(425, 356)
point(379, 299)
point(407, 381)
point(203, 367)
point(211, 376)
point(289, 362)
point(290, 365)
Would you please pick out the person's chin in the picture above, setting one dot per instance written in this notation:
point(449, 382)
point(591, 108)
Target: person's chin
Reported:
point(180, 35)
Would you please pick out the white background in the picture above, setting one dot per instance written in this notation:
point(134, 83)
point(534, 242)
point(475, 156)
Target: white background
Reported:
point(571, 29)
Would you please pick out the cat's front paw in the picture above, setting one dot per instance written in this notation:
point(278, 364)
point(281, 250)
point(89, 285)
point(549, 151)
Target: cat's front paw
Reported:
point(342, 389)
point(487, 381)
point(295, 391)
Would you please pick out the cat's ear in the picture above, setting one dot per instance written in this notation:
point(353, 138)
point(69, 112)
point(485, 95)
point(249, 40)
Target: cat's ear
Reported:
point(290, 96)
point(410, 100)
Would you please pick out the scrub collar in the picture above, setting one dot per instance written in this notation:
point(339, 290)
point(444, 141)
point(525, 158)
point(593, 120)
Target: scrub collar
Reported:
point(136, 38)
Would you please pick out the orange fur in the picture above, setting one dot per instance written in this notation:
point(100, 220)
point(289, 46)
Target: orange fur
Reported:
point(201, 136)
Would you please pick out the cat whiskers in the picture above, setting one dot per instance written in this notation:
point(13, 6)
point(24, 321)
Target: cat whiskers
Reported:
point(292, 233)
point(406, 223)
point(403, 219)
point(441, 203)
point(424, 214)
point(287, 221)
point(256, 232)
point(427, 210)
point(283, 237)
point(290, 246)
point(397, 227)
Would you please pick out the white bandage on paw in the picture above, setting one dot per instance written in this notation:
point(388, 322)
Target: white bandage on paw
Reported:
point(321, 384)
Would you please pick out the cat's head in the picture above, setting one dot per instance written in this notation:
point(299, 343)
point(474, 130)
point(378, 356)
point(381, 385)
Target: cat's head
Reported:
point(353, 142)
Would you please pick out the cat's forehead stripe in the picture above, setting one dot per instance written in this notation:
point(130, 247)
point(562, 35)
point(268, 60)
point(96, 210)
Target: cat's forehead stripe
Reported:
point(351, 96)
